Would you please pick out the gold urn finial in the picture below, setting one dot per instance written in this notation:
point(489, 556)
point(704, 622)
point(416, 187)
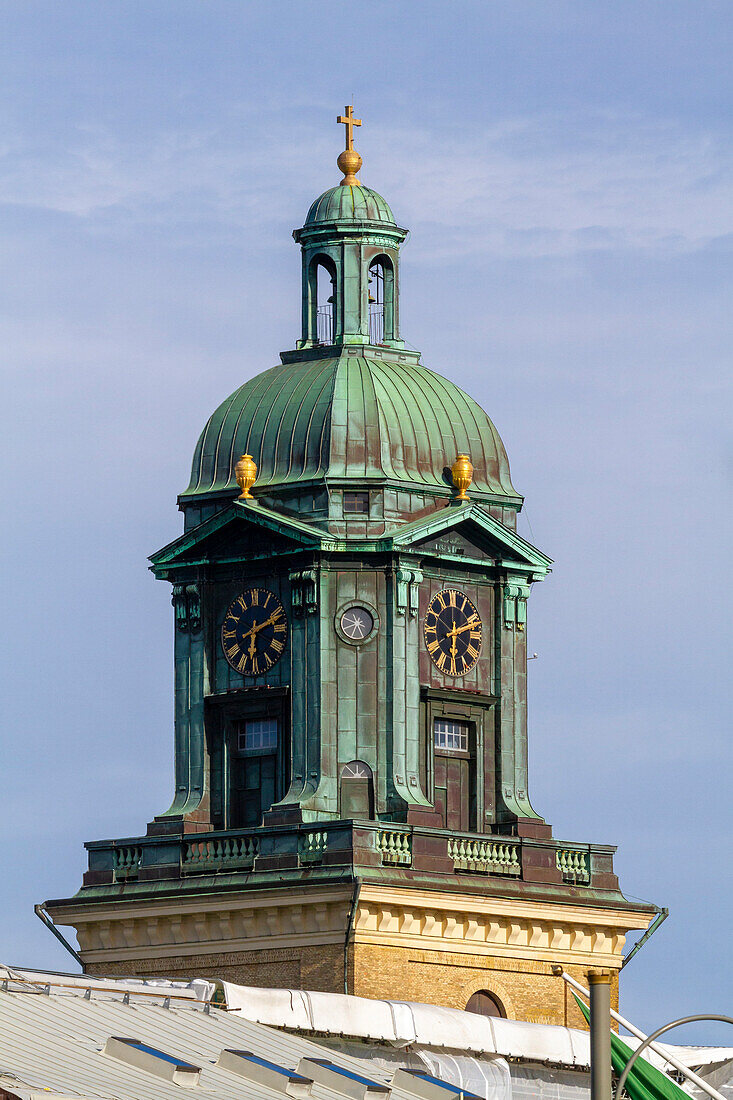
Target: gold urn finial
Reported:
point(246, 474)
point(462, 474)
point(349, 161)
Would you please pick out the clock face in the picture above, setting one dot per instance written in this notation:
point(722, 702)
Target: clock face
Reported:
point(452, 629)
point(254, 632)
point(357, 623)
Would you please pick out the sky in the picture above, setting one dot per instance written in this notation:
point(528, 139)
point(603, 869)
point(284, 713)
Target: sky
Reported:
point(565, 171)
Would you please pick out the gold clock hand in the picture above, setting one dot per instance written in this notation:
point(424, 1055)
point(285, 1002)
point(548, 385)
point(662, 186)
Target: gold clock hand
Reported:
point(265, 622)
point(253, 630)
point(466, 626)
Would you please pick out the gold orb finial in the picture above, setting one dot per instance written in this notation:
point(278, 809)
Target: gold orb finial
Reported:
point(349, 161)
point(462, 474)
point(246, 474)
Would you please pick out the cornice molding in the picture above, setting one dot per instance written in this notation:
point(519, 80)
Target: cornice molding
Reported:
point(431, 921)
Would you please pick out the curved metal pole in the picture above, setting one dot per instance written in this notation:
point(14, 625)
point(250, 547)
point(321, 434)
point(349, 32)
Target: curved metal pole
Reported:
point(663, 1052)
point(654, 1035)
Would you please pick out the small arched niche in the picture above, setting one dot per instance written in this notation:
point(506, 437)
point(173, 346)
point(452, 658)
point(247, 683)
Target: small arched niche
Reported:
point(484, 1003)
point(381, 300)
point(356, 791)
point(322, 292)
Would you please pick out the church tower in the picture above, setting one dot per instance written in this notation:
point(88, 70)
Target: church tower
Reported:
point(351, 808)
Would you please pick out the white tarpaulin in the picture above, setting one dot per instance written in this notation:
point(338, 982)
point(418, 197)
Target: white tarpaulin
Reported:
point(404, 1023)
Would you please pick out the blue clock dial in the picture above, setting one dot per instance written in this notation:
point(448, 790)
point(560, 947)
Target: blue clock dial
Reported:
point(254, 632)
point(452, 628)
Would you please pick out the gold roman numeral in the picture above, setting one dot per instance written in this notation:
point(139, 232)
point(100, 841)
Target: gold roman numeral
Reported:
point(432, 646)
point(472, 652)
point(440, 661)
point(233, 652)
point(255, 597)
point(280, 628)
point(242, 666)
point(452, 596)
point(277, 645)
point(439, 599)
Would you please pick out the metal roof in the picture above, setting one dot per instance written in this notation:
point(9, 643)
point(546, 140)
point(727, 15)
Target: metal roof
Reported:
point(405, 424)
point(346, 202)
point(52, 1034)
point(54, 1028)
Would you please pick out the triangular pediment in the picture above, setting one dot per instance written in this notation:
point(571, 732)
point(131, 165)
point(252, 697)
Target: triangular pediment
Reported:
point(469, 533)
point(457, 543)
point(240, 531)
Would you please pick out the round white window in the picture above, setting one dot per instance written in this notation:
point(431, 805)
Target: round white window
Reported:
point(356, 623)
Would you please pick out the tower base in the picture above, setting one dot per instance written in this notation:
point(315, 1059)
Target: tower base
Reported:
point(381, 931)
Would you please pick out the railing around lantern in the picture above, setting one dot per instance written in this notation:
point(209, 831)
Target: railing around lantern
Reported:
point(324, 324)
point(376, 324)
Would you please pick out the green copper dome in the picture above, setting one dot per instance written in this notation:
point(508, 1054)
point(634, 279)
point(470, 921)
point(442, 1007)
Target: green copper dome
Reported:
point(354, 417)
point(345, 203)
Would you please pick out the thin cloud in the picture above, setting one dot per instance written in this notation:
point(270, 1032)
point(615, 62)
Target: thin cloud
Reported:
point(527, 187)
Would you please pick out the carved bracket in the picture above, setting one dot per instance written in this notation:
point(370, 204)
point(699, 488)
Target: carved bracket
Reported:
point(515, 605)
point(408, 591)
point(304, 591)
point(186, 602)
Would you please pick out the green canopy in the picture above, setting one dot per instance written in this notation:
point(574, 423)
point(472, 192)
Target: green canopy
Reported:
point(645, 1082)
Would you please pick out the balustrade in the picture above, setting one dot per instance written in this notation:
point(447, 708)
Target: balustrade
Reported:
point(395, 846)
point(573, 863)
point(312, 846)
point(484, 857)
point(126, 862)
point(219, 854)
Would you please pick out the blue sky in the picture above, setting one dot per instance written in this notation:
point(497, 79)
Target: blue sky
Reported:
point(565, 170)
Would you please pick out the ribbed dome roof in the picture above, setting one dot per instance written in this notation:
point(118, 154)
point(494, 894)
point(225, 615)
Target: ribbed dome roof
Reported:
point(351, 416)
point(346, 203)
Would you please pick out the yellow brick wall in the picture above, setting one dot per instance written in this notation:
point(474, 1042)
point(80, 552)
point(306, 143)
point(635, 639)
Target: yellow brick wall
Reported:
point(528, 990)
point(319, 968)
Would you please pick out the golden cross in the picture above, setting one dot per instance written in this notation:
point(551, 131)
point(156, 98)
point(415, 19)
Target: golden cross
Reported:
point(349, 122)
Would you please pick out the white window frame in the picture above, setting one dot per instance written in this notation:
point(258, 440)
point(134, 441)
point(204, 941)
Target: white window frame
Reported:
point(450, 735)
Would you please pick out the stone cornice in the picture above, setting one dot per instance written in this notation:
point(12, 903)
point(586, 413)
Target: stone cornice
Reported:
point(570, 934)
point(432, 921)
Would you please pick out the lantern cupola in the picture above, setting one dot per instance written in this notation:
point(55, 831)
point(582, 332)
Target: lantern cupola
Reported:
point(350, 244)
